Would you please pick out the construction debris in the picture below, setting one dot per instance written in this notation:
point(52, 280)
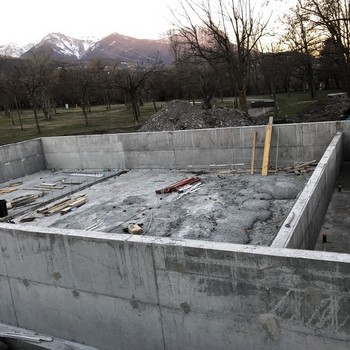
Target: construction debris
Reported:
point(50, 186)
point(135, 229)
point(63, 206)
point(71, 182)
point(87, 174)
point(28, 218)
point(93, 226)
point(177, 185)
point(78, 202)
point(189, 189)
point(23, 200)
point(8, 189)
point(301, 168)
point(25, 337)
point(15, 184)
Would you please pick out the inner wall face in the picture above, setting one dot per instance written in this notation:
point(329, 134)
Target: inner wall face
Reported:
point(225, 206)
point(145, 293)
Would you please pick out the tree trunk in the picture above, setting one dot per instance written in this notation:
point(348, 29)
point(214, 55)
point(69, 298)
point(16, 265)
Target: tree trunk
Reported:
point(312, 85)
point(85, 114)
point(83, 106)
point(134, 105)
point(242, 95)
point(11, 116)
point(154, 105)
point(36, 118)
point(18, 113)
point(135, 110)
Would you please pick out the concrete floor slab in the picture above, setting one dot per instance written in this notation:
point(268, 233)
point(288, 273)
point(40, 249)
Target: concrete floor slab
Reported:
point(227, 207)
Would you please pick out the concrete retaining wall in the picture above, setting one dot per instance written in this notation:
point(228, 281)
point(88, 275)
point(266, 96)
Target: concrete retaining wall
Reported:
point(21, 159)
point(122, 292)
point(290, 143)
point(308, 212)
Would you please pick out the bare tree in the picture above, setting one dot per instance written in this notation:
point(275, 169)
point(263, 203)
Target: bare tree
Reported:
point(131, 79)
point(36, 79)
point(332, 19)
point(84, 78)
point(224, 34)
point(302, 36)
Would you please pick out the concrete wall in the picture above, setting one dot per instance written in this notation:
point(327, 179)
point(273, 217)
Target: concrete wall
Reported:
point(290, 143)
point(21, 159)
point(122, 292)
point(308, 212)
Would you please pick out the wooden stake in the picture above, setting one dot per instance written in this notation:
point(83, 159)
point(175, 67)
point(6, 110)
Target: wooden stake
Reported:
point(265, 163)
point(253, 154)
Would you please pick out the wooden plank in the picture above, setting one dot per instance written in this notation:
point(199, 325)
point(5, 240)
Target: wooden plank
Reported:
point(8, 189)
point(253, 154)
point(267, 146)
point(135, 229)
point(50, 206)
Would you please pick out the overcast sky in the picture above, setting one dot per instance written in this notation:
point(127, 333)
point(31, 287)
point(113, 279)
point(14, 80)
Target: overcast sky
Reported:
point(27, 21)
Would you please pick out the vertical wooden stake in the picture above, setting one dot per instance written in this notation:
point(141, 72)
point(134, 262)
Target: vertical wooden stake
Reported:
point(265, 163)
point(253, 154)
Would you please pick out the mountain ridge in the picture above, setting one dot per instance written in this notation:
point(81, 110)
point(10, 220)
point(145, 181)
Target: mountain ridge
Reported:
point(115, 46)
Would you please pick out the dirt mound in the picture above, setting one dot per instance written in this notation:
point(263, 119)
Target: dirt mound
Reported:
point(181, 115)
point(320, 111)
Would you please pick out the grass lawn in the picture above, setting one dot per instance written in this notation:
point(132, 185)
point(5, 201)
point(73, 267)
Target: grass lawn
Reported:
point(119, 119)
point(295, 102)
point(71, 121)
point(289, 104)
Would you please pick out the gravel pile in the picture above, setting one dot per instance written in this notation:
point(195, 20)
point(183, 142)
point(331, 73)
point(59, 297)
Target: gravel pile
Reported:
point(181, 115)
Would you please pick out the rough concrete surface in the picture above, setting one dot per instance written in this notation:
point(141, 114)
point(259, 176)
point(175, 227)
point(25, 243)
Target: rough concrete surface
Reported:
point(228, 206)
point(334, 234)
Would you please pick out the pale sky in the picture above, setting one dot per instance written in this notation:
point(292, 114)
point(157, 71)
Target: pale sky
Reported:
point(27, 21)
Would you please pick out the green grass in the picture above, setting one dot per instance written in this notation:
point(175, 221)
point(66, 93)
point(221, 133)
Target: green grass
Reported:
point(71, 122)
point(119, 119)
point(295, 102)
point(288, 104)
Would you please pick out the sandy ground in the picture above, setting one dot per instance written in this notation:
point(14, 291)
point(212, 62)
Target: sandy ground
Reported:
point(227, 207)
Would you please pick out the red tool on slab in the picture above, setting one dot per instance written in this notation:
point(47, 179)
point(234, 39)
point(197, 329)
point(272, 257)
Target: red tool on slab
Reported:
point(177, 185)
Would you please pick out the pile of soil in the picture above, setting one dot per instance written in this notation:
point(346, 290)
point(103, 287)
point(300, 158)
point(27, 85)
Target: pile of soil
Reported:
point(181, 115)
point(321, 111)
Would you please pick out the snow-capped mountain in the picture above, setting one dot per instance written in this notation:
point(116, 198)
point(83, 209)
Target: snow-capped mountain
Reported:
point(62, 47)
point(128, 49)
point(114, 46)
point(14, 50)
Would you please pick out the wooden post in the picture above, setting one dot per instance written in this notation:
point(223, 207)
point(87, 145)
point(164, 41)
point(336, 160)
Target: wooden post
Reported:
point(268, 134)
point(253, 154)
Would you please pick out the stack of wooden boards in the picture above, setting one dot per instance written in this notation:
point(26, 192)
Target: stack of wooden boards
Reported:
point(23, 200)
point(63, 206)
point(301, 168)
point(11, 187)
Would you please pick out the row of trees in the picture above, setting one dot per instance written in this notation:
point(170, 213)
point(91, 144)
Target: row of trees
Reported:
point(217, 51)
point(227, 36)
